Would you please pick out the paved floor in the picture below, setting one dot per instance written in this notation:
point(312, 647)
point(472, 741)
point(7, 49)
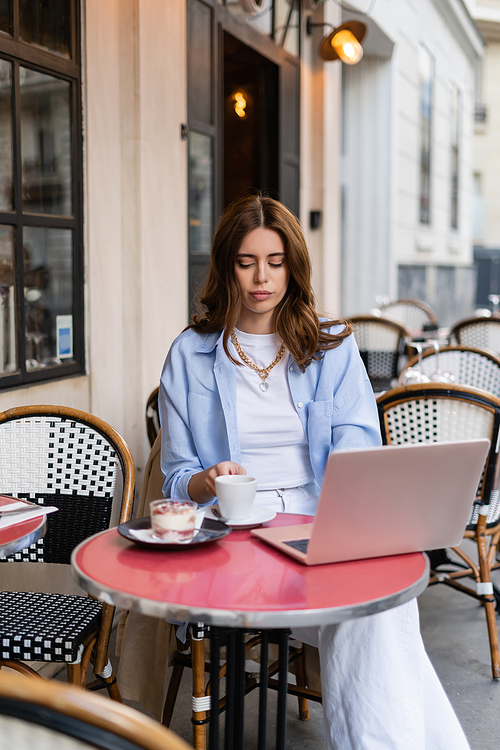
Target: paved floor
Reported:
point(454, 630)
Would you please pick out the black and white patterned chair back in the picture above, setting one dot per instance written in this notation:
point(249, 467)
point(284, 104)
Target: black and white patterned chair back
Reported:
point(410, 314)
point(53, 460)
point(481, 333)
point(152, 417)
point(468, 366)
point(437, 413)
point(380, 344)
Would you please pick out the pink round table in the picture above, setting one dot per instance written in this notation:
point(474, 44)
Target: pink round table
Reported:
point(240, 583)
point(21, 534)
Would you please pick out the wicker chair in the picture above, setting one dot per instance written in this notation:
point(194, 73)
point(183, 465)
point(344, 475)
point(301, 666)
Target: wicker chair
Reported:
point(152, 417)
point(481, 333)
point(413, 314)
point(65, 717)
point(54, 455)
point(381, 343)
point(469, 366)
point(436, 412)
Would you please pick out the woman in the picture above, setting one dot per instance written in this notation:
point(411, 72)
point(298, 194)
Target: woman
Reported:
point(259, 384)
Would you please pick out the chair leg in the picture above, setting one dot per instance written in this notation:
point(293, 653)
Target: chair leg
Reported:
point(198, 669)
point(100, 655)
point(300, 676)
point(74, 672)
point(173, 689)
point(486, 589)
point(106, 678)
point(112, 688)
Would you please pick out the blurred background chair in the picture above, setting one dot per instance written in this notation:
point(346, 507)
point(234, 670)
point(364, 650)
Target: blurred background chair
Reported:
point(381, 343)
point(152, 417)
point(468, 366)
point(415, 315)
point(443, 411)
point(33, 717)
point(54, 455)
point(480, 332)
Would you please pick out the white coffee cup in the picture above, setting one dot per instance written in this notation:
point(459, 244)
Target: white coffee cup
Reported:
point(235, 493)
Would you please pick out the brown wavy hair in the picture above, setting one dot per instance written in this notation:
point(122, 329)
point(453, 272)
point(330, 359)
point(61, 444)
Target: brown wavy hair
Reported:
point(296, 321)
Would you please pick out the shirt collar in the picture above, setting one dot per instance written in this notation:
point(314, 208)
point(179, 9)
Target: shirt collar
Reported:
point(210, 341)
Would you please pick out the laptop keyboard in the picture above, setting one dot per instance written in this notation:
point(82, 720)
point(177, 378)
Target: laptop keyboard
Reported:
point(299, 544)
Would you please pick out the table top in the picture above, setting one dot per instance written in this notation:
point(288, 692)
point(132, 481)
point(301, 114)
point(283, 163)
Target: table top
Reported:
point(240, 581)
point(20, 535)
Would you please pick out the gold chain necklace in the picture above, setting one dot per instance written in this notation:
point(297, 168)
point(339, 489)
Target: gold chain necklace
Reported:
point(263, 371)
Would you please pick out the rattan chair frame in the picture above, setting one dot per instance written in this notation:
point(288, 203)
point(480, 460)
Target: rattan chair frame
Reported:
point(382, 381)
point(95, 647)
point(459, 331)
point(478, 531)
point(484, 361)
point(86, 717)
point(419, 304)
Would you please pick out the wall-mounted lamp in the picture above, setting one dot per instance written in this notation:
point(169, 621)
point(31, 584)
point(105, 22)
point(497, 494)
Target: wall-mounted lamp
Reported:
point(343, 43)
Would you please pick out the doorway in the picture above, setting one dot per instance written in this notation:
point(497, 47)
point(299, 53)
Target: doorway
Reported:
point(250, 121)
point(234, 144)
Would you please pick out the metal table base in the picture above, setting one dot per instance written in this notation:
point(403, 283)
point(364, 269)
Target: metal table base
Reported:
point(234, 641)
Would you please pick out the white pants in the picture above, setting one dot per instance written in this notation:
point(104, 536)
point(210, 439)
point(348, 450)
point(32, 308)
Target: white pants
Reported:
point(380, 691)
point(303, 500)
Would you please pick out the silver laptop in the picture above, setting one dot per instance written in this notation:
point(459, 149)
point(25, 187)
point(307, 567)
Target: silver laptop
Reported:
point(387, 500)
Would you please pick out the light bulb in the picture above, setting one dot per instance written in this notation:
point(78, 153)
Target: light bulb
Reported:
point(240, 104)
point(347, 47)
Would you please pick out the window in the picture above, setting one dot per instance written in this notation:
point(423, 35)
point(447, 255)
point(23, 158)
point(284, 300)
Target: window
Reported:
point(41, 275)
point(455, 153)
point(426, 82)
point(478, 209)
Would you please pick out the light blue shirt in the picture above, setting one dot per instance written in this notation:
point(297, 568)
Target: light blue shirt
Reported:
point(197, 405)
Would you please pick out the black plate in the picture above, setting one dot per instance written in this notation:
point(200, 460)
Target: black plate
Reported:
point(210, 531)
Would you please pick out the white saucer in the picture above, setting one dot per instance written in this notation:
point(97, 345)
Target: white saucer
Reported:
point(261, 515)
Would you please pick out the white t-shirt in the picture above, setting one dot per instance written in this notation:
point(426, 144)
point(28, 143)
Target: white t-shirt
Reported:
point(274, 448)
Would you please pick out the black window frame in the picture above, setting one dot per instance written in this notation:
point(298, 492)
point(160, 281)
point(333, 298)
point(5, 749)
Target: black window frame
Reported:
point(27, 55)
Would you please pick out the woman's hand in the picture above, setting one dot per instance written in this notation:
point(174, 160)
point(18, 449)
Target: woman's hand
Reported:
point(201, 486)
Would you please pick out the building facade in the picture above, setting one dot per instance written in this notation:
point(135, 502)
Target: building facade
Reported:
point(120, 143)
point(407, 152)
point(143, 198)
